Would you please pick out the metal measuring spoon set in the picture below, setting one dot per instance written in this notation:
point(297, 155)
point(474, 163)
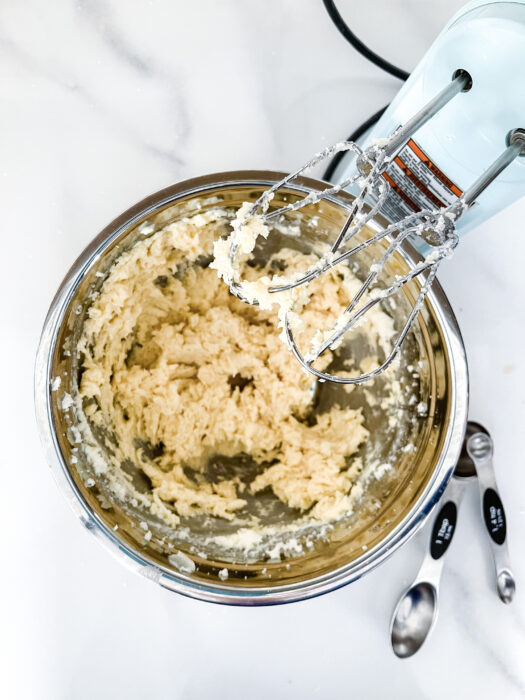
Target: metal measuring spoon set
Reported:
point(416, 612)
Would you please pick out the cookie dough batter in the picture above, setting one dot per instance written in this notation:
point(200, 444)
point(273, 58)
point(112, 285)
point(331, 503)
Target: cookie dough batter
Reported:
point(176, 370)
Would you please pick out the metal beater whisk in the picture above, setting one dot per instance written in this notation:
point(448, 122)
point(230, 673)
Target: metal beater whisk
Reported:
point(436, 227)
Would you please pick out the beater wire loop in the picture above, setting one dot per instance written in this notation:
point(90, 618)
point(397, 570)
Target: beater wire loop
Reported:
point(437, 228)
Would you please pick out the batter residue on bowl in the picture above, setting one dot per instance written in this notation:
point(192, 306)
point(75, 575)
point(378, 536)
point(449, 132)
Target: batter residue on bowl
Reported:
point(177, 370)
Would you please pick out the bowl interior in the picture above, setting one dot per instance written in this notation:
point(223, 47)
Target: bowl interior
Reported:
point(424, 372)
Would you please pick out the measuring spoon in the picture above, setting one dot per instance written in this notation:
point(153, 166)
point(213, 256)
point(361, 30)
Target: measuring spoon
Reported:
point(416, 613)
point(480, 449)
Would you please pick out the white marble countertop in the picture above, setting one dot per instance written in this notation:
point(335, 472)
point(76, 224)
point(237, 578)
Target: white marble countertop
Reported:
point(105, 101)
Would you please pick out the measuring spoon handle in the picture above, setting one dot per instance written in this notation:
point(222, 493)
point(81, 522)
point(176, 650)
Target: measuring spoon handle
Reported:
point(480, 449)
point(442, 533)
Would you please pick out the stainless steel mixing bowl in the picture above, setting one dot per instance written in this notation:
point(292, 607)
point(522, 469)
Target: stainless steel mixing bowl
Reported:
point(394, 506)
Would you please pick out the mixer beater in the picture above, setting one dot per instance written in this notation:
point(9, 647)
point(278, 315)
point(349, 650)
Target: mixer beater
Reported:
point(435, 227)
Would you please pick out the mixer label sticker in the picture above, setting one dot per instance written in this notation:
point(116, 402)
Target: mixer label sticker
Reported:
point(400, 193)
point(417, 183)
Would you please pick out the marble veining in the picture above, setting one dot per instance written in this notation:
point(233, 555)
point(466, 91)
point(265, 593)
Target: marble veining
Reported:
point(104, 102)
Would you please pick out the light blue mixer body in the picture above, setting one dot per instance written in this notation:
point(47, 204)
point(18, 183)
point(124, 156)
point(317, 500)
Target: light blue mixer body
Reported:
point(448, 153)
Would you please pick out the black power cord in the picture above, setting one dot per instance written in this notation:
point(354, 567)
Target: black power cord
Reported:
point(332, 165)
point(358, 44)
point(349, 35)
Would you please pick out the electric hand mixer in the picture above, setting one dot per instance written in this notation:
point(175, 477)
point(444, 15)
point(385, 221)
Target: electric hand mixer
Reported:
point(454, 127)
